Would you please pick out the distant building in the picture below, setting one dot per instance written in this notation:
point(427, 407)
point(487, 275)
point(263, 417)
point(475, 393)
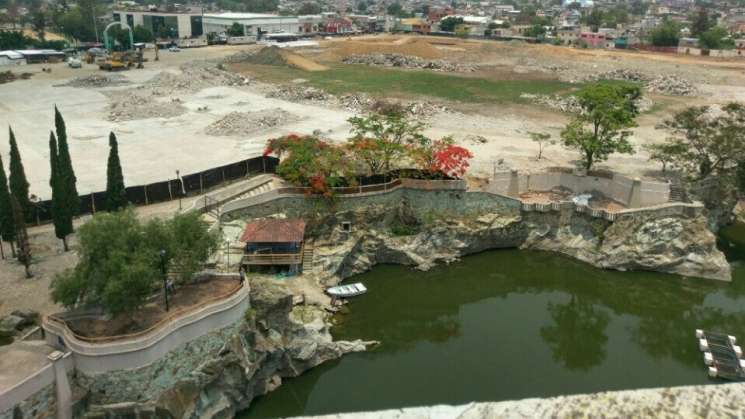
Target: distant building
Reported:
point(338, 25)
point(175, 24)
point(593, 40)
point(254, 24)
point(11, 58)
point(416, 25)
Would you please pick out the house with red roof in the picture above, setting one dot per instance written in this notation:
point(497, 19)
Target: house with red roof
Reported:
point(274, 245)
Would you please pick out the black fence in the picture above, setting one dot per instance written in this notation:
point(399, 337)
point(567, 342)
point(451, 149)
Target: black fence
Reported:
point(167, 190)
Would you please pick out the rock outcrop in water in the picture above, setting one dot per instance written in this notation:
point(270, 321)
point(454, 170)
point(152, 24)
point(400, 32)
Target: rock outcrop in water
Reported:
point(673, 244)
point(276, 341)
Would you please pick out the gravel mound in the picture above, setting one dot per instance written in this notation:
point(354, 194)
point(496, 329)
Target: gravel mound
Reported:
point(97, 81)
point(405, 61)
point(241, 123)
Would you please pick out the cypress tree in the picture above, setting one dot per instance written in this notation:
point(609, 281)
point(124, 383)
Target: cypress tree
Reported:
point(61, 213)
point(7, 224)
point(68, 189)
point(24, 248)
point(116, 196)
point(17, 179)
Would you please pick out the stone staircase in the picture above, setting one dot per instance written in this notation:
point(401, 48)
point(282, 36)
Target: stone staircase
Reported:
point(266, 185)
point(308, 257)
point(677, 193)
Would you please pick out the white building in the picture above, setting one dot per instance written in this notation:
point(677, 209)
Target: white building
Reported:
point(12, 58)
point(255, 24)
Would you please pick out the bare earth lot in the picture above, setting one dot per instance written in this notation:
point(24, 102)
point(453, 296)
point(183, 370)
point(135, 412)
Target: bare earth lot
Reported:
point(165, 115)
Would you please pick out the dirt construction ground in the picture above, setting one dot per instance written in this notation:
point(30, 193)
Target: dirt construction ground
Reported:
point(172, 114)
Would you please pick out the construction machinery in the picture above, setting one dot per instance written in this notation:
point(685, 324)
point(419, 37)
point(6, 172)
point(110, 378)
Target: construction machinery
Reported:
point(118, 61)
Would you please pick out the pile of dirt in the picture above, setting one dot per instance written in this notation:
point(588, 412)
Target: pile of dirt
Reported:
point(194, 77)
point(275, 56)
point(622, 75)
point(404, 61)
point(300, 94)
point(271, 55)
point(9, 76)
point(131, 107)
point(243, 123)
point(97, 81)
point(405, 46)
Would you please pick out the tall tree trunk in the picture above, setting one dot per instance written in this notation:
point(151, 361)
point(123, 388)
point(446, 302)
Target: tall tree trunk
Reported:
point(64, 244)
point(2, 251)
point(12, 249)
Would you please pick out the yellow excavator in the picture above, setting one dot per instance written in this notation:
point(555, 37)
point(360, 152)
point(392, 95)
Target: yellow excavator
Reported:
point(118, 61)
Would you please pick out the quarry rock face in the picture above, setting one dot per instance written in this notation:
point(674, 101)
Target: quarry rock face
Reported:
point(274, 341)
point(674, 244)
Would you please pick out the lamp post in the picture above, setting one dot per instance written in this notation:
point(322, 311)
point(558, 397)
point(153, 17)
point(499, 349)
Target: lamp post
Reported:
point(227, 254)
point(163, 271)
point(178, 176)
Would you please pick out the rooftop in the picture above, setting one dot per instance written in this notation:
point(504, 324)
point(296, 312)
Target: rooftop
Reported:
point(272, 230)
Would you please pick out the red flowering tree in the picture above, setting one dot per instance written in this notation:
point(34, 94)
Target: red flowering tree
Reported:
point(440, 157)
point(311, 162)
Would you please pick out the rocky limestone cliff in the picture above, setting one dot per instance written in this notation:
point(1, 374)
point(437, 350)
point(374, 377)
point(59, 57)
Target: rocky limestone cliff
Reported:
point(674, 244)
point(275, 341)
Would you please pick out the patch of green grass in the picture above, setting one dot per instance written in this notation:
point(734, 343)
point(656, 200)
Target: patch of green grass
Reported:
point(382, 82)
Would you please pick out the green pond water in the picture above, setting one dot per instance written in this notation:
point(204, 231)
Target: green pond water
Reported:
point(512, 324)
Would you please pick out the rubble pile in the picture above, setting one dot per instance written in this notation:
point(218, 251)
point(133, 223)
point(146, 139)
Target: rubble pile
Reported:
point(194, 76)
point(97, 80)
point(570, 104)
point(358, 103)
point(9, 76)
point(406, 61)
point(300, 94)
point(131, 107)
point(663, 84)
point(242, 123)
point(671, 85)
point(622, 75)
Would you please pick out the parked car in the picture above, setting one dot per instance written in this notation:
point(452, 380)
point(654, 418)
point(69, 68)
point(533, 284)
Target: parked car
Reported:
point(174, 49)
point(74, 62)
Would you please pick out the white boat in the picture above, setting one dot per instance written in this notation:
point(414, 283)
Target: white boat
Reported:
point(344, 291)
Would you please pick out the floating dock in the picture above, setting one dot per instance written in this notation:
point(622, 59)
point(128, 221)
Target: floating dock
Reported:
point(722, 355)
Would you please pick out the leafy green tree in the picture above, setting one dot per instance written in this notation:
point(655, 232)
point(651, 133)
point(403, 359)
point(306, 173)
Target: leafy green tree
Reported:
point(716, 38)
point(535, 31)
point(543, 139)
point(639, 7)
point(7, 223)
point(701, 22)
point(602, 126)
point(448, 23)
point(663, 153)
point(14, 40)
point(116, 195)
point(387, 135)
point(704, 145)
point(236, 29)
point(142, 34)
point(69, 190)
point(119, 264)
point(666, 34)
point(17, 179)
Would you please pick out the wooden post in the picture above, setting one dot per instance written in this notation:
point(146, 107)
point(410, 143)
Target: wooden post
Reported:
point(247, 168)
point(263, 163)
point(223, 174)
point(93, 203)
point(201, 183)
point(2, 251)
point(170, 194)
point(144, 188)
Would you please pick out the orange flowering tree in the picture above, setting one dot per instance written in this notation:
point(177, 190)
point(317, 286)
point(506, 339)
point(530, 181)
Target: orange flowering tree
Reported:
point(312, 162)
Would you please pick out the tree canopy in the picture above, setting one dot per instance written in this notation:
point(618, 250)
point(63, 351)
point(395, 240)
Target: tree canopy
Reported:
point(716, 38)
point(665, 35)
point(309, 8)
point(119, 266)
point(448, 23)
point(7, 225)
point(116, 194)
point(601, 128)
point(705, 144)
point(17, 178)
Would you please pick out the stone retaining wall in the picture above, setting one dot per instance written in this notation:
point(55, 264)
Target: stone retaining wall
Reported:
point(633, 193)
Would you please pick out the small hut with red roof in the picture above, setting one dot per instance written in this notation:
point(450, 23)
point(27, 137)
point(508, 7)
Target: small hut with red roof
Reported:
point(274, 243)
